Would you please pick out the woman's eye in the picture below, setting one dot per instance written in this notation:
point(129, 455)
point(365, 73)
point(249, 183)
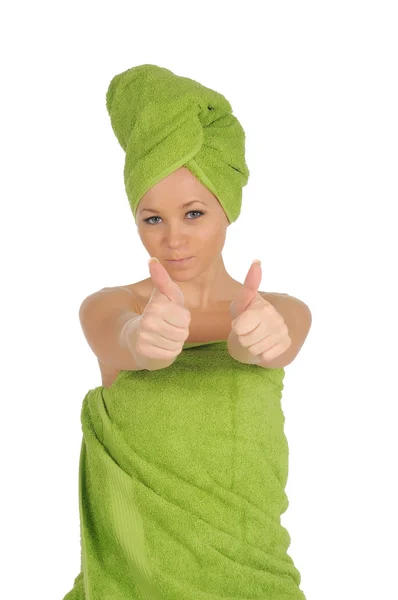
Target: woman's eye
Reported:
point(200, 212)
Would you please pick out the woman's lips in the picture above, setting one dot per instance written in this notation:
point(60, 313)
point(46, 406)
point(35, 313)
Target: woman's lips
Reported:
point(179, 262)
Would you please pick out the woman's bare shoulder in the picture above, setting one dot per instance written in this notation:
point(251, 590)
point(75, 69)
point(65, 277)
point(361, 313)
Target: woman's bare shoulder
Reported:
point(138, 291)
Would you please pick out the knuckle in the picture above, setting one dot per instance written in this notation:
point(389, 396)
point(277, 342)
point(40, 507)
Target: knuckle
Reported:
point(146, 318)
point(283, 328)
point(139, 346)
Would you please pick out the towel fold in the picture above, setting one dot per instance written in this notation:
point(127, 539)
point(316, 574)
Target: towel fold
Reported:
point(182, 484)
point(164, 121)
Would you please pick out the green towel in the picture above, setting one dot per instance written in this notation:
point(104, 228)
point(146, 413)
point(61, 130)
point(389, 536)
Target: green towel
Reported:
point(164, 121)
point(182, 484)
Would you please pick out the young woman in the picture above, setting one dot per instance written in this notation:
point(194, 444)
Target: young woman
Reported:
point(184, 460)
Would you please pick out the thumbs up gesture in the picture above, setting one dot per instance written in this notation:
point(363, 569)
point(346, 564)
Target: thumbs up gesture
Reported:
point(164, 324)
point(260, 329)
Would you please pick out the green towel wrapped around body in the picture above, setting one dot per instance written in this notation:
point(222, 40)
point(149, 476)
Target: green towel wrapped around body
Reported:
point(182, 484)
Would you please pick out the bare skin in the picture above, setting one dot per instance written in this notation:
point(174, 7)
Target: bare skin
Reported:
point(177, 232)
point(174, 231)
point(210, 325)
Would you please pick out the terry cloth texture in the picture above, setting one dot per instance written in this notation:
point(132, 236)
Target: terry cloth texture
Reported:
point(182, 484)
point(164, 121)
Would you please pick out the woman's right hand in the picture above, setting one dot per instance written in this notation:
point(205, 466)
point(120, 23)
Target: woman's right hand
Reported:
point(164, 325)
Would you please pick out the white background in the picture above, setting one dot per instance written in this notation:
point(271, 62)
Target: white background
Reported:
point(314, 85)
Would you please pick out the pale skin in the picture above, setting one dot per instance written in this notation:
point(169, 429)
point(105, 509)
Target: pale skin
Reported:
point(176, 231)
point(258, 327)
point(172, 232)
point(213, 297)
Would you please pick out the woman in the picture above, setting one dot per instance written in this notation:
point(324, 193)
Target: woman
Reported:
point(184, 460)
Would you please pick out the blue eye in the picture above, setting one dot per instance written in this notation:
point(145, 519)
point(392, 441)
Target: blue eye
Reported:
point(200, 212)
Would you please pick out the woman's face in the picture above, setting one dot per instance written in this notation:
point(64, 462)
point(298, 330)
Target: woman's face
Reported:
point(168, 230)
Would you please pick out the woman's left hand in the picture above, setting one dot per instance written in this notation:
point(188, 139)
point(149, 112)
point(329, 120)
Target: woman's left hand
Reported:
point(258, 325)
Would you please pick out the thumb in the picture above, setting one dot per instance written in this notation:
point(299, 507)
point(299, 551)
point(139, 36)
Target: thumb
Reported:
point(248, 292)
point(163, 284)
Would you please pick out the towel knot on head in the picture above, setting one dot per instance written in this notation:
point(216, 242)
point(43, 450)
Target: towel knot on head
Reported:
point(164, 121)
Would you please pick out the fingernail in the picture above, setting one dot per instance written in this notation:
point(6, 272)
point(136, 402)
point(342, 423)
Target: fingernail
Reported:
point(257, 261)
point(153, 258)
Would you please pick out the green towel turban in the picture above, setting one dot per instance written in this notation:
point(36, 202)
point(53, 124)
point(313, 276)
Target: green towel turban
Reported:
point(164, 121)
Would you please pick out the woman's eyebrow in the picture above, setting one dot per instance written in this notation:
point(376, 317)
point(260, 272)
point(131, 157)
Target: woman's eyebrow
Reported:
point(182, 206)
